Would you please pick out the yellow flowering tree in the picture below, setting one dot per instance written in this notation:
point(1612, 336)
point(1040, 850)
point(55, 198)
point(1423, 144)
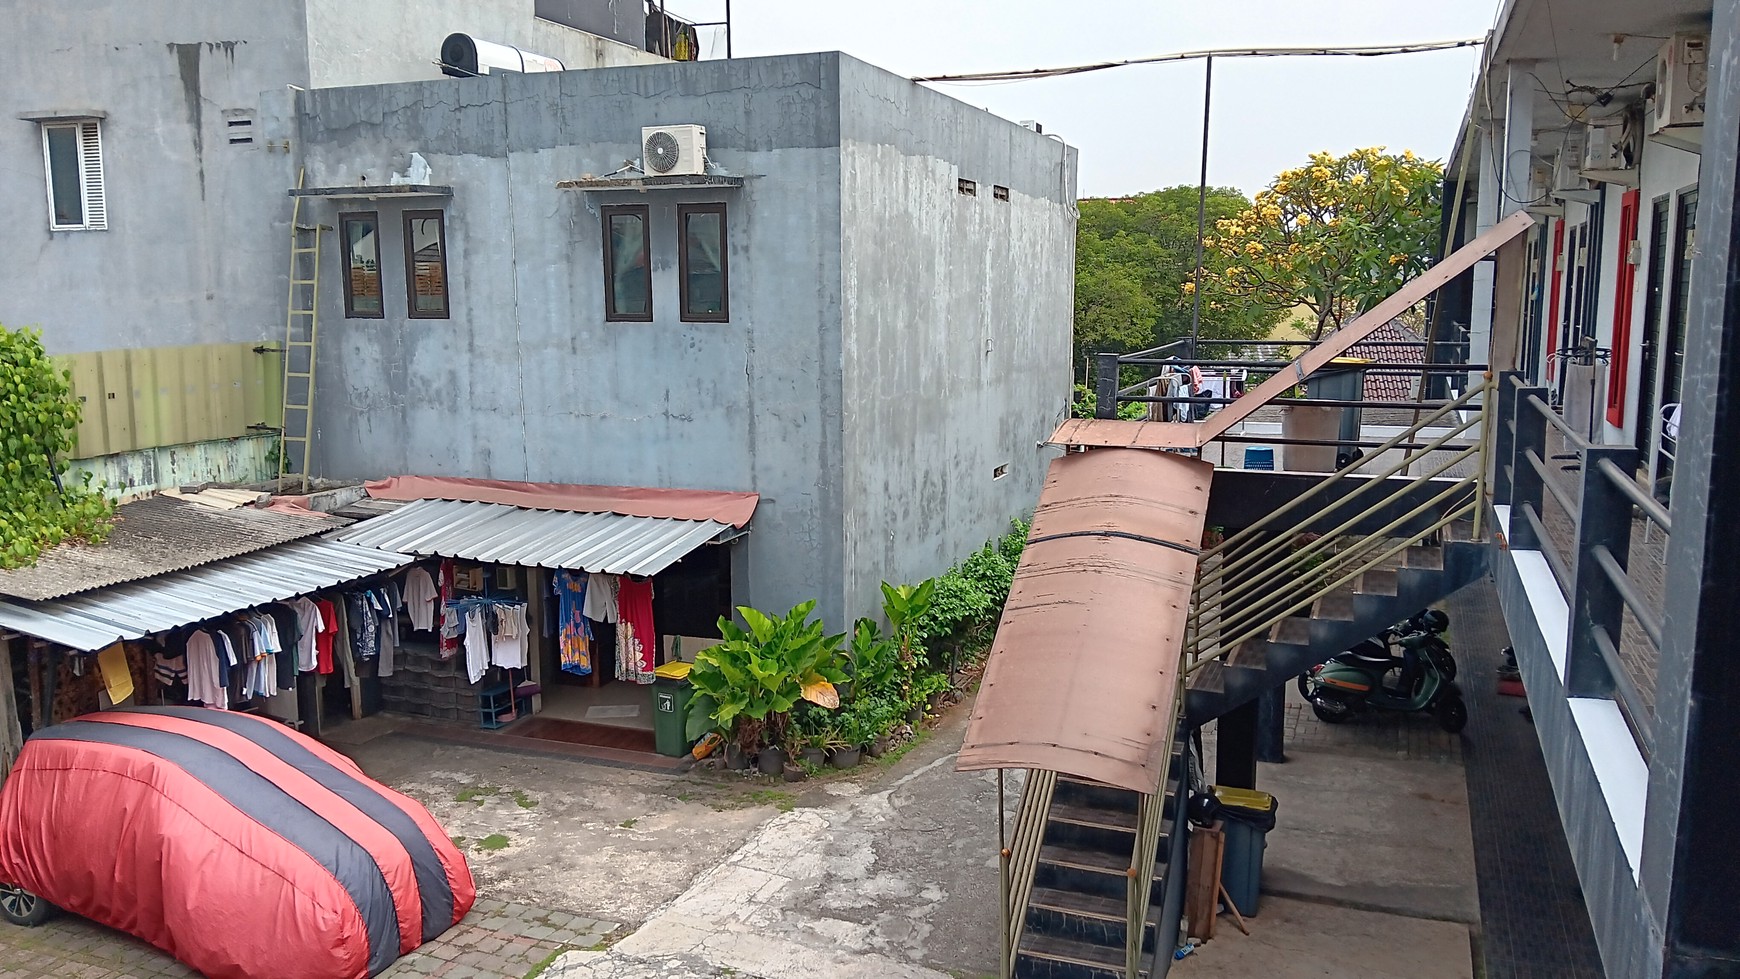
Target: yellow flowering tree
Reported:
point(1336, 235)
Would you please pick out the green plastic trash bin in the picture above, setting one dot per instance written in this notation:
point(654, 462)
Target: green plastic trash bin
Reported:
point(671, 694)
point(1246, 817)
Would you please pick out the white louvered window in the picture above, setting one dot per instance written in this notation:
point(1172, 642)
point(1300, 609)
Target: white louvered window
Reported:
point(72, 155)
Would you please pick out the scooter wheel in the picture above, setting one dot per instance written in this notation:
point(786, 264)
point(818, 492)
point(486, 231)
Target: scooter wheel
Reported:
point(1452, 714)
point(1328, 716)
point(1304, 687)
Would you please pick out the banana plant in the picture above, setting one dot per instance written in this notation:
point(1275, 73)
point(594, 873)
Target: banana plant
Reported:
point(905, 605)
point(747, 685)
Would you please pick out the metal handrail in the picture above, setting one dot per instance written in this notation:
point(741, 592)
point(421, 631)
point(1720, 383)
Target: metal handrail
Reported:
point(1557, 421)
point(1629, 696)
point(1646, 617)
point(1021, 859)
point(1555, 562)
point(1559, 493)
point(1224, 646)
point(1273, 543)
point(1263, 619)
point(1294, 504)
point(1297, 558)
point(1150, 820)
point(1628, 487)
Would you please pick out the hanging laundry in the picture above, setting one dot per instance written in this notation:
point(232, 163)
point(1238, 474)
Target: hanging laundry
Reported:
point(323, 638)
point(289, 626)
point(601, 600)
point(308, 627)
point(364, 625)
point(476, 644)
point(421, 599)
point(576, 632)
point(448, 645)
point(636, 640)
point(507, 644)
point(203, 684)
point(170, 667)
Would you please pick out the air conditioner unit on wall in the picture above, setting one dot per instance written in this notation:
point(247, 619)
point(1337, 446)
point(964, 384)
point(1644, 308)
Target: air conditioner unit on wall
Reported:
point(1682, 75)
point(668, 151)
point(1612, 149)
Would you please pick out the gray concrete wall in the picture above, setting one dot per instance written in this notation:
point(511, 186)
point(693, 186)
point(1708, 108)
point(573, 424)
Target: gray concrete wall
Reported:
point(352, 43)
point(526, 380)
point(195, 247)
point(957, 324)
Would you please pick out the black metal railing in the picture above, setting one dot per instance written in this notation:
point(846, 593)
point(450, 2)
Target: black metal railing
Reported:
point(1589, 544)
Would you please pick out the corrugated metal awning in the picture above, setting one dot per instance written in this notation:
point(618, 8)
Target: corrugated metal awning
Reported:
point(503, 534)
point(95, 619)
point(1083, 675)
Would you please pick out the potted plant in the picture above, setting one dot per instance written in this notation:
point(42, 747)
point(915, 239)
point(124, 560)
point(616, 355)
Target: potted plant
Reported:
point(748, 684)
point(929, 690)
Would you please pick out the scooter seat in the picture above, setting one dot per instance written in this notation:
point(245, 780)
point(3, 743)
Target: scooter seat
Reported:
point(1371, 655)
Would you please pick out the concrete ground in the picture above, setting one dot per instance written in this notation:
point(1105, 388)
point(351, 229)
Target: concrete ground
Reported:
point(1370, 868)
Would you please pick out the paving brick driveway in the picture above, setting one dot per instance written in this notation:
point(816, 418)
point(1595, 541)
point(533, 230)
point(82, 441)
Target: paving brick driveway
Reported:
point(497, 940)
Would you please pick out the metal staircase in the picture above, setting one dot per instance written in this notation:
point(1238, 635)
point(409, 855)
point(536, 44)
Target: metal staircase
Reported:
point(1088, 915)
point(1371, 544)
point(301, 333)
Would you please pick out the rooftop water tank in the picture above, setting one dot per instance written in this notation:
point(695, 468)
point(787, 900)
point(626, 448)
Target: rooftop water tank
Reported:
point(463, 56)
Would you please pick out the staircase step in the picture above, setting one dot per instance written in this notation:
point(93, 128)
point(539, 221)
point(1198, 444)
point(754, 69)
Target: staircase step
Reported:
point(1337, 606)
point(1459, 530)
point(1088, 794)
point(1252, 654)
point(1091, 918)
point(1088, 828)
point(1378, 582)
point(1067, 868)
point(1294, 630)
point(1208, 678)
point(1046, 957)
point(1426, 557)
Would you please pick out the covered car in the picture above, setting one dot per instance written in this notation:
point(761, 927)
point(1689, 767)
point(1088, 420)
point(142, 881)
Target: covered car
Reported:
point(233, 843)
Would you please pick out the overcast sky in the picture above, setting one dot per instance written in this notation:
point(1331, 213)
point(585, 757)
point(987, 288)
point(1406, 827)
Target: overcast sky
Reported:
point(1140, 128)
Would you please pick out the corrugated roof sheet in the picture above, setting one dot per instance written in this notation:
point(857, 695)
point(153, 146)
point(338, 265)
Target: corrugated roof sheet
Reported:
point(1084, 671)
point(502, 534)
point(96, 619)
point(155, 536)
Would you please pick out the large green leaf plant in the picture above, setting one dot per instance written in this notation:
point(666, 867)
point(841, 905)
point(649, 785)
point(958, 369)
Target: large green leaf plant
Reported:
point(747, 685)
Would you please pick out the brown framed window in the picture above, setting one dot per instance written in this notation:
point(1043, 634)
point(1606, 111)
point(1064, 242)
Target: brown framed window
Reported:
point(360, 234)
point(627, 271)
point(426, 265)
point(702, 269)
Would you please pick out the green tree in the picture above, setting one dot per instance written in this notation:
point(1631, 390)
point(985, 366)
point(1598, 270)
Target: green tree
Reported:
point(1135, 257)
point(38, 418)
point(1336, 236)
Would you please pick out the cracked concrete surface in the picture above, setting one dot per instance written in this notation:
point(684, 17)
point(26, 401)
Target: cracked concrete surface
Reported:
point(873, 883)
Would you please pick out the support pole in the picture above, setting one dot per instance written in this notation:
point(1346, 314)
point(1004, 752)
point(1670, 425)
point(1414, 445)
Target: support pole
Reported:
point(1235, 757)
point(1201, 207)
point(1272, 725)
point(727, 29)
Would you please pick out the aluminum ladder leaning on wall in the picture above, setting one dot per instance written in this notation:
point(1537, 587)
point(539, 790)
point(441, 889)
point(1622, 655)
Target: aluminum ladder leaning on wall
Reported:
point(301, 332)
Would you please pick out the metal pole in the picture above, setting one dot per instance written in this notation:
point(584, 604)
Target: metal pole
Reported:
point(664, 30)
point(1002, 880)
point(728, 29)
point(1201, 207)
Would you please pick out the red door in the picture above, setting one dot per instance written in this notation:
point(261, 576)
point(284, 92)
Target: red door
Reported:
point(1622, 302)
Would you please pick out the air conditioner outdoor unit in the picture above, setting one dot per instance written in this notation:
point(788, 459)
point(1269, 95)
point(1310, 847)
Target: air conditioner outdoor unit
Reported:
point(668, 151)
point(1612, 149)
point(1682, 75)
point(1565, 168)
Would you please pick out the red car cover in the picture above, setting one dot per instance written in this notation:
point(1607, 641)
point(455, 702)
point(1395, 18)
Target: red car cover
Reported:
point(233, 843)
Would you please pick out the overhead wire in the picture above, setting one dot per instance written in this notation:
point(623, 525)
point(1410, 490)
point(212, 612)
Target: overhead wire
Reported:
point(1356, 51)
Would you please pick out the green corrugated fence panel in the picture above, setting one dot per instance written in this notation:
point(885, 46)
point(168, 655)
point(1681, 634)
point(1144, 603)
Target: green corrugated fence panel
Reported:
point(144, 398)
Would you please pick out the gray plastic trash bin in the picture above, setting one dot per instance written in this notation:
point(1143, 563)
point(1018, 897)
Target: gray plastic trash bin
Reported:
point(1246, 817)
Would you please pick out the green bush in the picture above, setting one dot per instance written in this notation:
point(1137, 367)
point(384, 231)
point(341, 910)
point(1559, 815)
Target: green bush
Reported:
point(38, 420)
point(968, 600)
point(747, 685)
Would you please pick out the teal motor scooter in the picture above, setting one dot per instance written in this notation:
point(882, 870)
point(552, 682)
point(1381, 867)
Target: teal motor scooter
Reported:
point(1368, 678)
